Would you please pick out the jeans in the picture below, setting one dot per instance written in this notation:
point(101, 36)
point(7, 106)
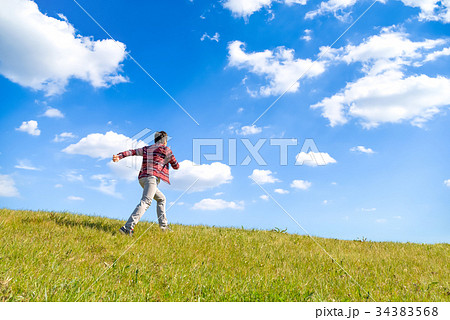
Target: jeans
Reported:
point(151, 191)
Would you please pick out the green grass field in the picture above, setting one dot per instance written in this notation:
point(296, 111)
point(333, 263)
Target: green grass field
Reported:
point(49, 256)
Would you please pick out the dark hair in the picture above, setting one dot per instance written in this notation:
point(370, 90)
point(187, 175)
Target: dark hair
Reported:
point(160, 137)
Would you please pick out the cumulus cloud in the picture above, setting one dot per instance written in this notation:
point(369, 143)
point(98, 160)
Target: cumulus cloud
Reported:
point(215, 37)
point(209, 176)
point(313, 159)
point(278, 67)
point(249, 130)
point(263, 176)
point(30, 127)
point(103, 146)
point(8, 186)
point(43, 53)
point(362, 149)
point(336, 7)
point(431, 10)
point(390, 97)
point(245, 8)
point(385, 94)
point(64, 136)
point(281, 191)
point(447, 182)
point(217, 204)
point(53, 113)
point(301, 184)
point(26, 165)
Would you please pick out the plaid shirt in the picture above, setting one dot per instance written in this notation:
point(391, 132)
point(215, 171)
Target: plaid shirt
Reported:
point(155, 162)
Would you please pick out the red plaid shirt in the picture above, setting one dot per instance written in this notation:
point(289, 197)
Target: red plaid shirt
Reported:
point(155, 162)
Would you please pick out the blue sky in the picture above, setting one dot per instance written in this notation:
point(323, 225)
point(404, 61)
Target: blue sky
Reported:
point(375, 104)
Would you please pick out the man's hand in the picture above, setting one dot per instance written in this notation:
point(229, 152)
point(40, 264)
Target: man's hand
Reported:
point(116, 158)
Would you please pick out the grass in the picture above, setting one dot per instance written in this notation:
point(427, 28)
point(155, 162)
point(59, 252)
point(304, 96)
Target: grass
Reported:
point(50, 256)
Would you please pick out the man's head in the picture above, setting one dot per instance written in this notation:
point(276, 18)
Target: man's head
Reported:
point(161, 137)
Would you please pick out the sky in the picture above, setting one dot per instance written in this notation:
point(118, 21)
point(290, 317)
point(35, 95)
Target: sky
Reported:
point(357, 92)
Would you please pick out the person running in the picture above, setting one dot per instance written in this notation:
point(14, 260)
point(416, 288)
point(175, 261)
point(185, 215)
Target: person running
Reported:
point(155, 167)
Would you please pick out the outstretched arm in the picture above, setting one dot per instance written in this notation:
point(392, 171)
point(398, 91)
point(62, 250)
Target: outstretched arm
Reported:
point(172, 160)
point(134, 152)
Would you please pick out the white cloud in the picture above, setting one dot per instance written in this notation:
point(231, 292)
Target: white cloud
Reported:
point(437, 54)
point(281, 191)
point(325, 202)
point(368, 209)
point(218, 194)
point(215, 37)
point(263, 176)
point(43, 53)
point(30, 127)
point(265, 197)
point(218, 204)
point(75, 198)
point(362, 149)
point(127, 168)
point(307, 36)
point(447, 182)
point(314, 159)
point(332, 6)
point(58, 185)
point(390, 49)
point(431, 10)
point(26, 165)
point(385, 94)
point(209, 176)
point(107, 185)
point(8, 186)
point(53, 113)
point(279, 67)
point(103, 146)
point(245, 8)
point(240, 110)
point(380, 220)
point(249, 130)
point(301, 184)
point(64, 136)
point(388, 98)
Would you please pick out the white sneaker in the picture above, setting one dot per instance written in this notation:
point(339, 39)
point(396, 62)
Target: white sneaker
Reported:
point(166, 229)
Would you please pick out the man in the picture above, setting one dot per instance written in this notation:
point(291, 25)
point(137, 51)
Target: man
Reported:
point(155, 167)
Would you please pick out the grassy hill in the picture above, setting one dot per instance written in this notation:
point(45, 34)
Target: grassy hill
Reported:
point(49, 256)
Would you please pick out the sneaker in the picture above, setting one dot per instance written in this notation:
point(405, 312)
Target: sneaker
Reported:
point(166, 229)
point(126, 232)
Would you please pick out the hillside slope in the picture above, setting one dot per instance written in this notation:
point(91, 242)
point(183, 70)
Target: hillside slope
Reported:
point(49, 256)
